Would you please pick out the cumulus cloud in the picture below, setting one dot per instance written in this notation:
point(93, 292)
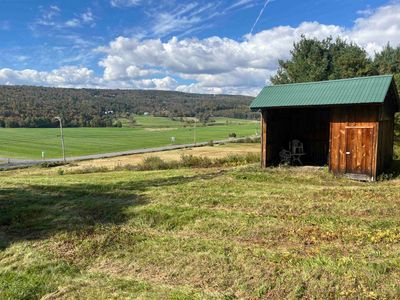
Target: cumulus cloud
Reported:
point(220, 65)
point(217, 65)
point(65, 76)
point(210, 65)
point(377, 28)
point(80, 77)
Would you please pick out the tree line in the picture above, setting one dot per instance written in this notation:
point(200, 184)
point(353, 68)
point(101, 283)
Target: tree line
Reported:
point(328, 59)
point(28, 106)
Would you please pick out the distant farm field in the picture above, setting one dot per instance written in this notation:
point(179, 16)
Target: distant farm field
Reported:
point(148, 132)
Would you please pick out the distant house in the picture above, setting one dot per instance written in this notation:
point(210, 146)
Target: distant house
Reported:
point(348, 124)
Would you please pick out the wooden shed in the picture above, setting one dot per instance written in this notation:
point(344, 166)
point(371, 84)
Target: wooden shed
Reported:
point(347, 124)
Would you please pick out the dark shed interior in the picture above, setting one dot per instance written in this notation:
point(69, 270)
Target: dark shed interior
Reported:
point(308, 125)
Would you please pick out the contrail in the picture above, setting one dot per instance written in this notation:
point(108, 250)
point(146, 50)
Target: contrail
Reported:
point(259, 16)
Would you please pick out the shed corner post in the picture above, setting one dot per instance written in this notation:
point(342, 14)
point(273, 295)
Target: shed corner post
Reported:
point(264, 123)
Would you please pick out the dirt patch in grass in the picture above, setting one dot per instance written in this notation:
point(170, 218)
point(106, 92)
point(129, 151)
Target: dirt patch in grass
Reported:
point(160, 129)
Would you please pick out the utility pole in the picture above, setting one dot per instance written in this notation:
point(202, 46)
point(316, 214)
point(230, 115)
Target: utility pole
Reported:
point(194, 131)
point(62, 138)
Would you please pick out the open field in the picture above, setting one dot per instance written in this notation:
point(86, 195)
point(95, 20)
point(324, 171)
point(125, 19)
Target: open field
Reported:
point(218, 233)
point(150, 121)
point(30, 142)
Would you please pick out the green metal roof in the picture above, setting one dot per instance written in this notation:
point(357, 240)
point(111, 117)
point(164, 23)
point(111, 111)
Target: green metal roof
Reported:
point(362, 90)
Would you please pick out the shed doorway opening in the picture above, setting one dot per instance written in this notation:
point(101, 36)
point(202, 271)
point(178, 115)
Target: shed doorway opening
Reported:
point(310, 126)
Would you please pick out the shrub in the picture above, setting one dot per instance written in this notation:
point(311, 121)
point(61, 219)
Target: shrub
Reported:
point(236, 159)
point(153, 163)
point(88, 170)
point(125, 168)
point(232, 135)
point(249, 140)
point(117, 124)
point(191, 161)
point(52, 164)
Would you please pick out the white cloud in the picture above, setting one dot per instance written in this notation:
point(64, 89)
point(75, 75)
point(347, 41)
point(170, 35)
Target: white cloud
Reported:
point(240, 3)
point(80, 77)
point(378, 28)
point(125, 3)
point(224, 65)
point(214, 64)
point(73, 23)
point(210, 65)
point(50, 17)
point(183, 19)
point(87, 16)
point(65, 76)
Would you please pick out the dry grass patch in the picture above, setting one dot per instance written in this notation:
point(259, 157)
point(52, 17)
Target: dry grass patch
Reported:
point(217, 151)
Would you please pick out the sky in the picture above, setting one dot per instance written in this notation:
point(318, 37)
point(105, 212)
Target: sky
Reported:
point(215, 47)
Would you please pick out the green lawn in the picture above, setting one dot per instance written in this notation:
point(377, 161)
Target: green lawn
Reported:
point(30, 142)
point(198, 234)
point(151, 121)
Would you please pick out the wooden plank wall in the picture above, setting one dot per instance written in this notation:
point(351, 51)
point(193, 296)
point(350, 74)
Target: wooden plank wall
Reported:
point(386, 132)
point(351, 117)
point(263, 139)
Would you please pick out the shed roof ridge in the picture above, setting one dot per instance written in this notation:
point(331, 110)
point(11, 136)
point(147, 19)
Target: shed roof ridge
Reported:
point(330, 81)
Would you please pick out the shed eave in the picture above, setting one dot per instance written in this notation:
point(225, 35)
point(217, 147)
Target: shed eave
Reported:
point(257, 108)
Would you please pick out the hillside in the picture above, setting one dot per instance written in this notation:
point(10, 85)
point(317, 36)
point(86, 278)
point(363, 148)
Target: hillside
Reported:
point(217, 233)
point(28, 106)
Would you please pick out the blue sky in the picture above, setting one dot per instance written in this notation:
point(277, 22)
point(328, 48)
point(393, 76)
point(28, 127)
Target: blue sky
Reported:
point(192, 46)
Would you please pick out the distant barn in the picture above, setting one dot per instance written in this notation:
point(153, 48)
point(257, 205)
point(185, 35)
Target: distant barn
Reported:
point(348, 123)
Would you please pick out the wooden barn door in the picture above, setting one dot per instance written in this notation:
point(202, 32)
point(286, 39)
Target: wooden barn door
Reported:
point(359, 150)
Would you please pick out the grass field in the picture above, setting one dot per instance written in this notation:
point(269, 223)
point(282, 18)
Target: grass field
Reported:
point(150, 121)
point(150, 132)
point(237, 232)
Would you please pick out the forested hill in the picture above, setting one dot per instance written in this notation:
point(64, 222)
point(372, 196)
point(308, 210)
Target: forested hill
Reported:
point(27, 106)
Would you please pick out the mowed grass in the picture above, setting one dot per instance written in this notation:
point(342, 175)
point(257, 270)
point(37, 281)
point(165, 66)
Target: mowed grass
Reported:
point(198, 234)
point(30, 142)
point(151, 121)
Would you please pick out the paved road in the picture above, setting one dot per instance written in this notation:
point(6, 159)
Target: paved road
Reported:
point(6, 163)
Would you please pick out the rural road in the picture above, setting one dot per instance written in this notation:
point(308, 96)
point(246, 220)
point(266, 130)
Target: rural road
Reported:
point(6, 163)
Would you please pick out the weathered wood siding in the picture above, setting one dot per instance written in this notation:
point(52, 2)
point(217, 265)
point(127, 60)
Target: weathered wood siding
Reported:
point(264, 163)
point(363, 143)
point(386, 132)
